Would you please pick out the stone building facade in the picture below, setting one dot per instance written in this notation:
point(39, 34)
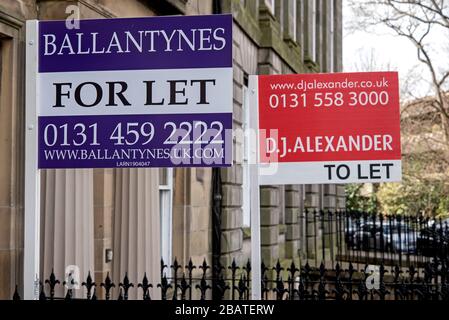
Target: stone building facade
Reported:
point(125, 220)
point(278, 37)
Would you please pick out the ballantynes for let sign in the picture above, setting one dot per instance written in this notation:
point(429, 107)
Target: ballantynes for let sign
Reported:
point(150, 41)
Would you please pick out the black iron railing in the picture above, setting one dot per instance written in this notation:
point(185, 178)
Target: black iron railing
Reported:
point(278, 283)
point(405, 257)
point(373, 238)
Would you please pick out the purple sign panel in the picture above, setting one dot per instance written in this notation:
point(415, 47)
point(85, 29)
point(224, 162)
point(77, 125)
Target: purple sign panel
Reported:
point(136, 43)
point(177, 140)
point(137, 92)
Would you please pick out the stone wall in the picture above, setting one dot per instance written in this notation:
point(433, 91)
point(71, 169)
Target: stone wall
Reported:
point(266, 40)
point(244, 62)
point(12, 34)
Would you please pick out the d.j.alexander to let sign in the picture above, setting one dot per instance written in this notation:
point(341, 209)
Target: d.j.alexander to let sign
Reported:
point(329, 128)
point(135, 92)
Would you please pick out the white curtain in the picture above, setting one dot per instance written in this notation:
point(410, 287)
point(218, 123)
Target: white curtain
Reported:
point(67, 222)
point(136, 236)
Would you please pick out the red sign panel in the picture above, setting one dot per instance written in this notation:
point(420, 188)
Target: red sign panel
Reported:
point(330, 128)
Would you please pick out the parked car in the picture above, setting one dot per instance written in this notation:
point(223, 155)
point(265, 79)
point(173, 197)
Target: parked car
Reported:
point(398, 237)
point(351, 226)
point(403, 239)
point(433, 240)
point(365, 236)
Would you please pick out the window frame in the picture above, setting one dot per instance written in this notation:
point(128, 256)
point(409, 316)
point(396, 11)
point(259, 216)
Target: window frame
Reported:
point(294, 34)
point(271, 5)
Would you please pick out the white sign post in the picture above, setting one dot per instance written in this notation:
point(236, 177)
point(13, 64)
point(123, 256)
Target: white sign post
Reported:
point(255, 192)
point(32, 174)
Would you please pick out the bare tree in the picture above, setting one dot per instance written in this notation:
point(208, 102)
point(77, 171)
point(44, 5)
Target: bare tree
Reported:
point(423, 23)
point(368, 60)
point(424, 121)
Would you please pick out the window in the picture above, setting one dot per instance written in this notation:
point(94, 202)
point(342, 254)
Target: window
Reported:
point(245, 157)
point(282, 204)
point(294, 17)
point(321, 194)
point(270, 5)
point(166, 213)
point(290, 17)
point(310, 15)
point(310, 29)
